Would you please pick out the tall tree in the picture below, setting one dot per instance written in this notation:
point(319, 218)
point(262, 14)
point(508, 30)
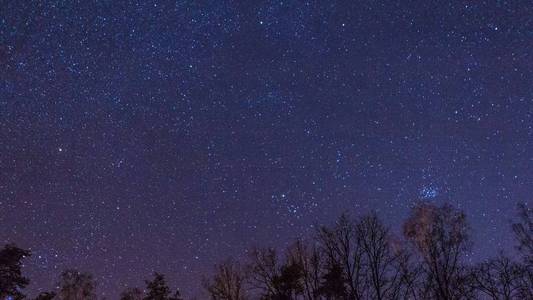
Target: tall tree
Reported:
point(342, 248)
point(333, 284)
point(441, 237)
point(381, 259)
point(523, 230)
point(263, 268)
point(75, 285)
point(227, 283)
point(11, 279)
point(311, 260)
point(274, 278)
point(288, 283)
point(157, 289)
point(410, 285)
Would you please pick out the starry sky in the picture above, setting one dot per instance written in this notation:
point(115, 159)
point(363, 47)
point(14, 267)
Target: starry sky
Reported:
point(140, 136)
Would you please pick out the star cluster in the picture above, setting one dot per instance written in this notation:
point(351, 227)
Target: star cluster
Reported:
point(166, 136)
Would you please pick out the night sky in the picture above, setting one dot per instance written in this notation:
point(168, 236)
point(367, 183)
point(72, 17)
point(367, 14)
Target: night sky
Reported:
point(166, 136)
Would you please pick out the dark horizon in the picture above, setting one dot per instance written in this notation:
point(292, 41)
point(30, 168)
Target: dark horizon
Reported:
point(167, 136)
point(507, 272)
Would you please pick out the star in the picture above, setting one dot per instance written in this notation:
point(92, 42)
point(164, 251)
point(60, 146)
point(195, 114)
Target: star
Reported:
point(429, 192)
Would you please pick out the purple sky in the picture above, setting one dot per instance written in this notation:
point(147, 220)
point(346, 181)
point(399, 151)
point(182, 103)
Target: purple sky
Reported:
point(168, 136)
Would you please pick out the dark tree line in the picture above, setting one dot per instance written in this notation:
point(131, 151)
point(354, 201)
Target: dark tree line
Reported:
point(351, 260)
point(72, 285)
point(357, 259)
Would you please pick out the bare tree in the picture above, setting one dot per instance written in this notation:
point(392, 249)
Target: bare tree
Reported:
point(227, 283)
point(311, 260)
point(410, 272)
point(498, 278)
point(380, 258)
point(342, 248)
point(523, 231)
point(525, 281)
point(263, 268)
point(75, 285)
point(441, 237)
point(274, 278)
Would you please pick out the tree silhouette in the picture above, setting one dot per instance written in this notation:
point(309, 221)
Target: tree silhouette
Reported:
point(287, 283)
point(227, 283)
point(263, 268)
point(523, 230)
point(380, 258)
point(75, 285)
point(354, 259)
point(333, 283)
point(499, 278)
point(132, 294)
point(441, 237)
point(311, 261)
point(11, 279)
point(410, 272)
point(342, 248)
point(157, 289)
point(273, 278)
